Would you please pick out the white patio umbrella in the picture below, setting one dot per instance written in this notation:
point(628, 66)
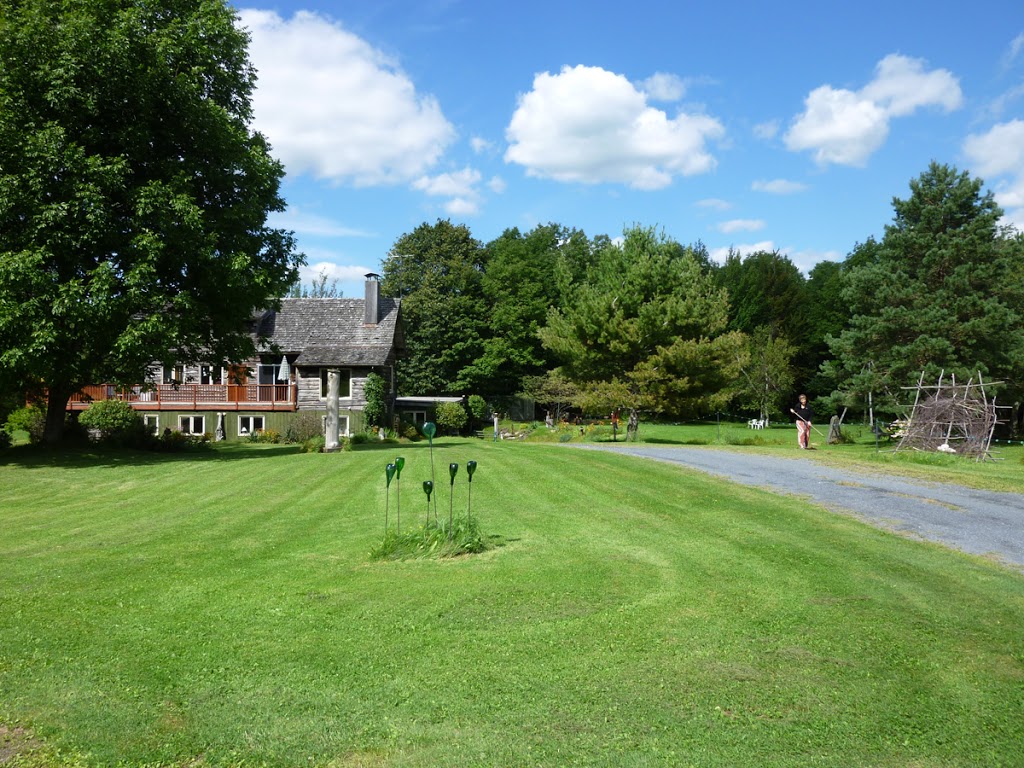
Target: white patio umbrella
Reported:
point(285, 372)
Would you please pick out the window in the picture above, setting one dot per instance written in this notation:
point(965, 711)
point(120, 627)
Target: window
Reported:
point(414, 417)
point(209, 374)
point(192, 425)
point(249, 424)
point(174, 375)
point(268, 374)
point(152, 422)
point(344, 383)
point(342, 425)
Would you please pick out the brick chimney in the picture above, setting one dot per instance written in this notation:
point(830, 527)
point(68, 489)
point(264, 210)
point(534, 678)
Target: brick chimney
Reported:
point(371, 311)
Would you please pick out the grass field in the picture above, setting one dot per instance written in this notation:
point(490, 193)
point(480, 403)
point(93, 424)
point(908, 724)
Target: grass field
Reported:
point(220, 609)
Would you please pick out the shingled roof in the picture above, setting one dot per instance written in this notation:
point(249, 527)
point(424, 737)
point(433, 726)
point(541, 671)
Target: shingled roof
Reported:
point(332, 331)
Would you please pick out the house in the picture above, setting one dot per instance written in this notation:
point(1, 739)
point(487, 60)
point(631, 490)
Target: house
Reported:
point(305, 339)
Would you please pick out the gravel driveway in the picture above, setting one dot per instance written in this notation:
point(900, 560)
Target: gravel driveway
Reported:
point(980, 522)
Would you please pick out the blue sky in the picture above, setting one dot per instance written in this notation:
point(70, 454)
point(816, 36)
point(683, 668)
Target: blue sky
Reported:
point(786, 126)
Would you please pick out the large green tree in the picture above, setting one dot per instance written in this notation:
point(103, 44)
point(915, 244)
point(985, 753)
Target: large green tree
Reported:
point(765, 290)
point(942, 290)
point(827, 316)
point(767, 374)
point(526, 275)
point(133, 194)
point(437, 271)
point(646, 331)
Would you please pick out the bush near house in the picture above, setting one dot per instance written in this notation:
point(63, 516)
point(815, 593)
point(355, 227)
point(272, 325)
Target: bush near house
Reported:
point(29, 419)
point(113, 421)
point(451, 417)
point(478, 408)
point(304, 427)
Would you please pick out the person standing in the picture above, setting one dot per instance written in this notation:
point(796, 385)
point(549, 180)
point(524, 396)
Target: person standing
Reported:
point(804, 417)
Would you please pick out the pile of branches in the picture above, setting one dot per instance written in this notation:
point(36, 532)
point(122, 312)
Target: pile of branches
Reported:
point(951, 418)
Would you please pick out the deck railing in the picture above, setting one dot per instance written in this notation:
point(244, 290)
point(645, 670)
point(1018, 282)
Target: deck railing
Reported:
point(190, 395)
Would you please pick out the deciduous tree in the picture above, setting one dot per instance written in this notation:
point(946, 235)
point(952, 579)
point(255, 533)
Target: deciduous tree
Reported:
point(133, 194)
point(437, 271)
point(646, 331)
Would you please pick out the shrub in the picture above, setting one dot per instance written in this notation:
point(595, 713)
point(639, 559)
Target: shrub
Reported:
point(173, 441)
point(304, 426)
point(375, 394)
point(410, 431)
point(265, 436)
point(113, 421)
point(451, 416)
point(314, 444)
point(5, 440)
point(478, 408)
point(31, 419)
point(361, 438)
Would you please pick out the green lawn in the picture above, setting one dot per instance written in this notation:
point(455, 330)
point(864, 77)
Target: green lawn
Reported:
point(221, 609)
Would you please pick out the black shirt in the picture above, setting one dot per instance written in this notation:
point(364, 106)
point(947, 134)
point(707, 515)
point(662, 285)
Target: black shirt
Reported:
point(805, 412)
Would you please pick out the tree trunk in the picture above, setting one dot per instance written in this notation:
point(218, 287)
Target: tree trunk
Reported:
point(632, 425)
point(56, 408)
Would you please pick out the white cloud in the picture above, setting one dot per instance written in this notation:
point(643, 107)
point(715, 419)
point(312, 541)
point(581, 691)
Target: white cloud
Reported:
point(1000, 153)
point(740, 225)
point(714, 204)
point(304, 223)
point(334, 107)
point(767, 130)
point(778, 186)
point(1001, 102)
point(497, 185)
point(663, 87)
point(326, 265)
point(462, 187)
point(480, 145)
point(901, 86)
point(1016, 46)
point(743, 249)
point(806, 260)
point(590, 126)
point(461, 206)
point(845, 127)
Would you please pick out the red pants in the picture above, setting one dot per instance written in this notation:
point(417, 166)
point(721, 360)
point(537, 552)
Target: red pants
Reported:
point(803, 433)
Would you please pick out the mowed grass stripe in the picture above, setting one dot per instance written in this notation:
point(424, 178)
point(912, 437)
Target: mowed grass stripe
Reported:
point(633, 614)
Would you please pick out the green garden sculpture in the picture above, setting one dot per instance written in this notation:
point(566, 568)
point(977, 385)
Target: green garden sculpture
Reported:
point(399, 463)
point(470, 469)
point(429, 429)
point(453, 470)
point(389, 473)
point(428, 488)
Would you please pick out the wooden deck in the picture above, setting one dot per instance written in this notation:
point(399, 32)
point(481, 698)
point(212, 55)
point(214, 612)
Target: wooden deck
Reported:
point(193, 397)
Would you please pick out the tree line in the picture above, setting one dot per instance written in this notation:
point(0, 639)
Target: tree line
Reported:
point(646, 324)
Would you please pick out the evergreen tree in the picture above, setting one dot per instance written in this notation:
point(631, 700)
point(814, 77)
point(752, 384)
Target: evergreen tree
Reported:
point(942, 291)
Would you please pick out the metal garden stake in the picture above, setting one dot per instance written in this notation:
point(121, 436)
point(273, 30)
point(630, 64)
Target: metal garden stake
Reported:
point(428, 488)
point(389, 473)
point(453, 470)
point(429, 429)
point(470, 469)
point(399, 463)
